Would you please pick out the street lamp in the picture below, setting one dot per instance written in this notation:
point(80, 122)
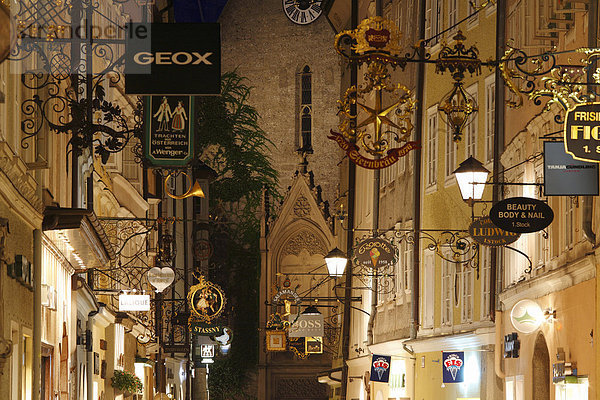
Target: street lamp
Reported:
point(336, 262)
point(471, 176)
point(311, 310)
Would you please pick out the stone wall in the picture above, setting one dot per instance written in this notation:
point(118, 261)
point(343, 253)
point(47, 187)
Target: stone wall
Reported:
point(267, 48)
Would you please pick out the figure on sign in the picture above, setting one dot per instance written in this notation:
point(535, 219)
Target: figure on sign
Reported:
point(163, 115)
point(179, 118)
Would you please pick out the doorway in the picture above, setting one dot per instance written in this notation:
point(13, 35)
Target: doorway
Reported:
point(541, 369)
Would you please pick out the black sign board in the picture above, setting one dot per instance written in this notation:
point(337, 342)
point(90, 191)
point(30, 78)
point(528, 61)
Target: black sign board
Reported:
point(174, 59)
point(512, 345)
point(484, 232)
point(169, 135)
point(565, 176)
point(521, 215)
point(582, 132)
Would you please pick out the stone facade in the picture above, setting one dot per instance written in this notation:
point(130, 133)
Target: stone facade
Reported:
point(266, 47)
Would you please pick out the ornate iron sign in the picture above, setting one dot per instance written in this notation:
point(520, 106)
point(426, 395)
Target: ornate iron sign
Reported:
point(206, 300)
point(169, 135)
point(375, 253)
point(582, 132)
point(286, 294)
point(484, 232)
point(521, 215)
point(376, 42)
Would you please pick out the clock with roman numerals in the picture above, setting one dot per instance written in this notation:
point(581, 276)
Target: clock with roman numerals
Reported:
point(302, 12)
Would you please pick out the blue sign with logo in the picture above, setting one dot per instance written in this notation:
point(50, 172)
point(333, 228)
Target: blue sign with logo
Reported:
point(453, 366)
point(380, 368)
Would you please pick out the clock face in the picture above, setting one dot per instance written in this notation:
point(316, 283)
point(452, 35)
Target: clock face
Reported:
point(302, 12)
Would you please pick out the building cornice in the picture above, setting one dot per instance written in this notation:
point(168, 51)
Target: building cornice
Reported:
point(462, 341)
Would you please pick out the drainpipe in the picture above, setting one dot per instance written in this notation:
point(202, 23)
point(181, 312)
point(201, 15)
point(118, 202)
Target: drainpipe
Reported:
point(415, 293)
point(37, 313)
point(499, 345)
point(349, 233)
point(89, 344)
point(376, 186)
point(588, 201)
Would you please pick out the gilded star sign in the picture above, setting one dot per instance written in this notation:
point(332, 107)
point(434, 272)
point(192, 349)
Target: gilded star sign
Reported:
point(376, 43)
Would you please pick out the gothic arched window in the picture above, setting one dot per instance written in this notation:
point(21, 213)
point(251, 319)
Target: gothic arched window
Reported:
point(305, 111)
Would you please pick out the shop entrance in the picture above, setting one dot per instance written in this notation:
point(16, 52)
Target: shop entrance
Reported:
point(541, 369)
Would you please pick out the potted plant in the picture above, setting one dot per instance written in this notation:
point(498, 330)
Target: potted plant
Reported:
point(126, 382)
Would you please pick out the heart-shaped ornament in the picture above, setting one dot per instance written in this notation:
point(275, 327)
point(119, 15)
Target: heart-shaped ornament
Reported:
point(161, 278)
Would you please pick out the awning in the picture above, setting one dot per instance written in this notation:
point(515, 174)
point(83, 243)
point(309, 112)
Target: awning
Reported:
point(77, 233)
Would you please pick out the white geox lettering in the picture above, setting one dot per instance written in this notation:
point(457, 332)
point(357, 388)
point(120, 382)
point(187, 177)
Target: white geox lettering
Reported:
point(167, 58)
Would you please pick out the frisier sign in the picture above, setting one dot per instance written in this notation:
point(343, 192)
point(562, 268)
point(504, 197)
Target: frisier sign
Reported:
point(351, 149)
point(375, 253)
point(582, 132)
point(484, 232)
point(521, 215)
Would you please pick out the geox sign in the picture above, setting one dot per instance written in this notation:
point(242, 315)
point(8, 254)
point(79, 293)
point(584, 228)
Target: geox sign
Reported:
point(582, 132)
point(173, 59)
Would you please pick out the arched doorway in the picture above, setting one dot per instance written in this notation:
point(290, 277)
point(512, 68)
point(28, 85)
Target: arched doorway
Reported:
point(541, 369)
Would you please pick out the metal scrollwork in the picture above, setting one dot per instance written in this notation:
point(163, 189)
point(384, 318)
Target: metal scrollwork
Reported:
point(70, 86)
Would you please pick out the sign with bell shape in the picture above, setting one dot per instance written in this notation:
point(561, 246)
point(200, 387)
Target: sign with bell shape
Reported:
point(161, 278)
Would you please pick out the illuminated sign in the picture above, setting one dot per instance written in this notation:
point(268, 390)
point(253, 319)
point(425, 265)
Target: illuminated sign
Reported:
point(526, 316)
point(306, 325)
point(453, 366)
point(484, 232)
point(380, 368)
point(565, 176)
point(134, 302)
point(521, 215)
point(582, 132)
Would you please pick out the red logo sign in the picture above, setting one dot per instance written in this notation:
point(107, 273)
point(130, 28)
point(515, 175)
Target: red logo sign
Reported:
point(377, 38)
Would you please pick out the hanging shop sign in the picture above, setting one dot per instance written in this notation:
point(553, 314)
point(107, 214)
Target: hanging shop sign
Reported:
point(521, 215)
point(581, 132)
point(526, 316)
point(174, 59)
point(203, 249)
point(353, 153)
point(484, 232)
point(565, 176)
point(375, 253)
point(286, 294)
point(207, 350)
point(453, 366)
point(298, 347)
point(276, 341)
point(380, 368)
point(206, 300)
point(306, 325)
point(161, 278)
point(134, 302)
point(313, 345)
point(205, 328)
point(169, 135)
point(512, 345)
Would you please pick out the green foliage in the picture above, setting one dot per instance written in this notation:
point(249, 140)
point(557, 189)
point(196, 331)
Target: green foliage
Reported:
point(126, 382)
point(232, 143)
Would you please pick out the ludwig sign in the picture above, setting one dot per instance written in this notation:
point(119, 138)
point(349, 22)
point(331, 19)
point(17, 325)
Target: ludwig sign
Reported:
point(169, 135)
point(175, 59)
point(484, 232)
point(582, 132)
point(521, 215)
point(375, 253)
